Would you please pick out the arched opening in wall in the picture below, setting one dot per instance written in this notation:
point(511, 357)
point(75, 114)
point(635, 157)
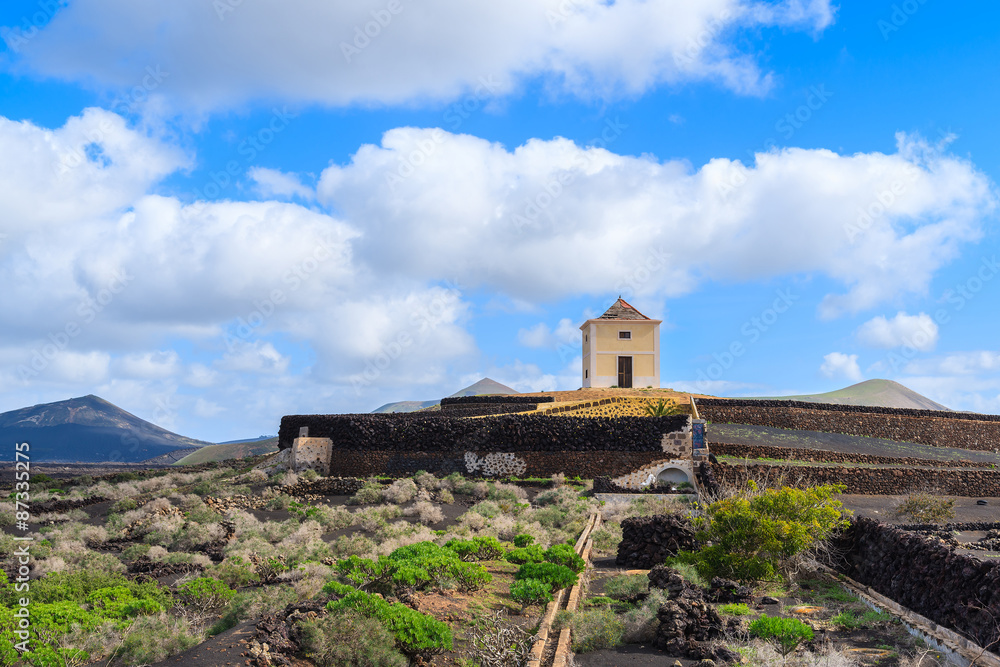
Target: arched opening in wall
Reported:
point(673, 477)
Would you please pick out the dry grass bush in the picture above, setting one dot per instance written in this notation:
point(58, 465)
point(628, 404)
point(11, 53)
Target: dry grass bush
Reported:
point(193, 534)
point(445, 496)
point(765, 655)
point(400, 492)
point(156, 552)
point(421, 534)
point(307, 532)
point(308, 579)
point(287, 478)
point(426, 480)
point(153, 639)
point(606, 538)
point(472, 520)
point(334, 518)
point(641, 622)
point(558, 479)
point(6, 513)
point(478, 490)
point(426, 512)
point(373, 518)
point(353, 545)
point(504, 491)
point(253, 477)
point(45, 566)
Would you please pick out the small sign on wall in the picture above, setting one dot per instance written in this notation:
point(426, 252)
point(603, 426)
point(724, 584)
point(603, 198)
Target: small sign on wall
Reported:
point(698, 438)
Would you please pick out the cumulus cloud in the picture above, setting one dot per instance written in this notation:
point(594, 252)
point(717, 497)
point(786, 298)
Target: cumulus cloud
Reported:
point(540, 335)
point(215, 55)
point(275, 183)
point(917, 331)
point(838, 364)
point(550, 219)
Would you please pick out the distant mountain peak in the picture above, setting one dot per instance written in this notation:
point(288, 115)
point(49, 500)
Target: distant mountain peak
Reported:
point(484, 386)
point(876, 393)
point(88, 428)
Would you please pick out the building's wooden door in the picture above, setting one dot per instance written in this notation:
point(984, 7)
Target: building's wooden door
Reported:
point(625, 372)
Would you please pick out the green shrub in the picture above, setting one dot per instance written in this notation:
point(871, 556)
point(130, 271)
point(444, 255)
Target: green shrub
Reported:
point(527, 592)
point(847, 620)
point(415, 633)
point(564, 554)
point(736, 609)
point(553, 575)
point(205, 594)
point(338, 589)
point(592, 629)
point(925, 508)
point(478, 548)
point(626, 586)
point(786, 633)
point(750, 537)
point(120, 602)
point(522, 540)
point(529, 554)
point(469, 577)
point(348, 638)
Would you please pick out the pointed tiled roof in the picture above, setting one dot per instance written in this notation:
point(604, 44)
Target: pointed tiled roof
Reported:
point(621, 310)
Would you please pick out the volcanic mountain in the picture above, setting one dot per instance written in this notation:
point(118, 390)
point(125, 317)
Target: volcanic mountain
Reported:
point(878, 393)
point(484, 386)
point(87, 430)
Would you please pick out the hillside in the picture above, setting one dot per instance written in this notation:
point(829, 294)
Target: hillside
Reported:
point(87, 429)
point(881, 393)
point(230, 450)
point(484, 386)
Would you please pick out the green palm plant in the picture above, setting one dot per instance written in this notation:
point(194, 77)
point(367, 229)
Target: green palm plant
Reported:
point(661, 408)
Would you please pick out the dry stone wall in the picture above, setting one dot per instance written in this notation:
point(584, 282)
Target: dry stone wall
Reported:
point(928, 427)
point(951, 589)
point(650, 540)
point(874, 481)
point(802, 454)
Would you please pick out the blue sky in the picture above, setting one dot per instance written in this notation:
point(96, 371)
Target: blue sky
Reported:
point(217, 213)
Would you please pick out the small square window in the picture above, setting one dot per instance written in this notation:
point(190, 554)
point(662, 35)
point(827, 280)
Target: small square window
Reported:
point(624, 335)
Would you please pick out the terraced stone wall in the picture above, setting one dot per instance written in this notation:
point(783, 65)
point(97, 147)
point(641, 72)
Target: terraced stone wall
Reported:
point(520, 445)
point(802, 454)
point(951, 589)
point(940, 429)
point(873, 481)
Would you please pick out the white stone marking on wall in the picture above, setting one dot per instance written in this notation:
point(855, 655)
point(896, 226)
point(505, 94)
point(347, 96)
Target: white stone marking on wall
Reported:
point(496, 465)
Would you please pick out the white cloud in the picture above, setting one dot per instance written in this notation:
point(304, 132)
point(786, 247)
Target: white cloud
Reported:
point(917, 331)
point(207, 409)
point(838, 364)
point(256, 357)
point(956, 364)
point(551, 219)
point(540, 335)
point(216, 55)
point(148, 365)
point(275, 183)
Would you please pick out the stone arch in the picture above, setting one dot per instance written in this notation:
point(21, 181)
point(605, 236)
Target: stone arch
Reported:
point(673, 476)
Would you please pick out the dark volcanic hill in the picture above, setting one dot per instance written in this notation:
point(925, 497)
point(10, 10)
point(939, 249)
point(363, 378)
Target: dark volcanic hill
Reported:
point(87, 429)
